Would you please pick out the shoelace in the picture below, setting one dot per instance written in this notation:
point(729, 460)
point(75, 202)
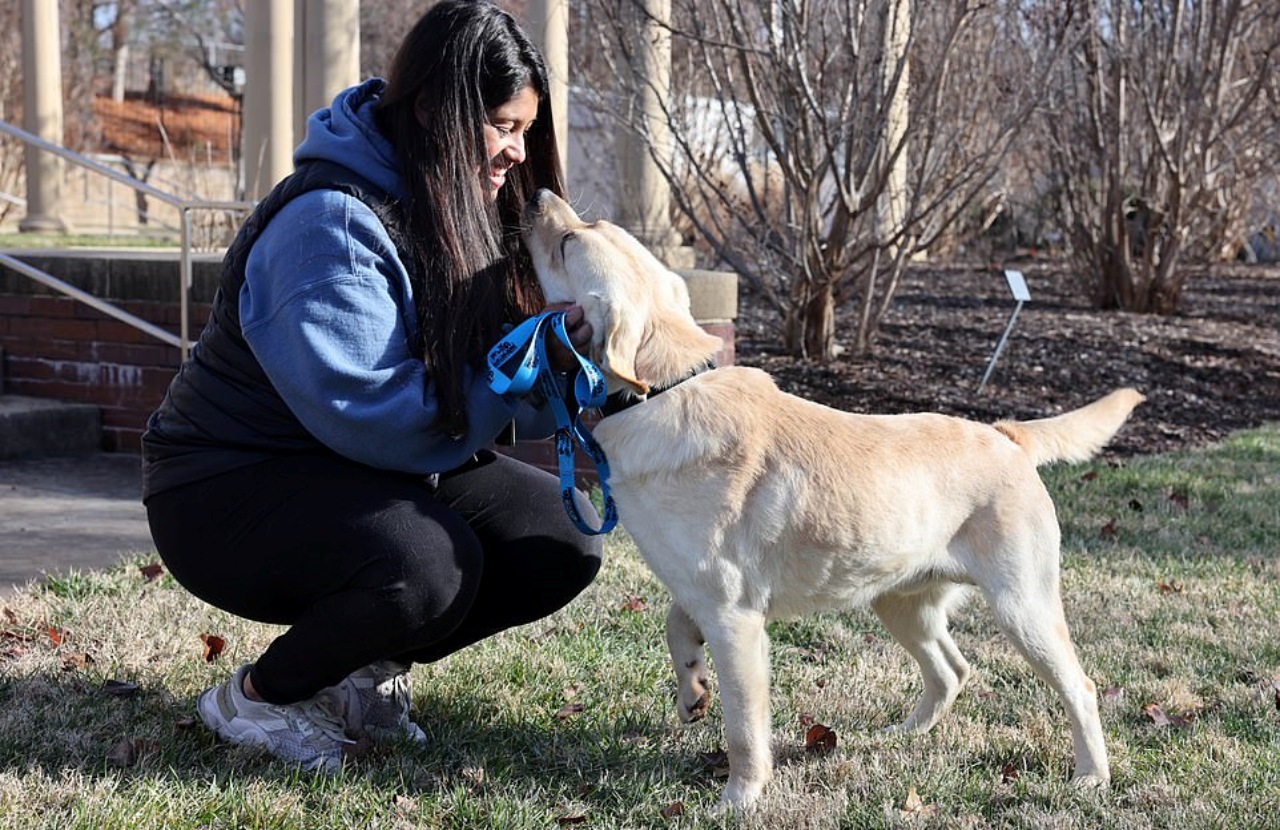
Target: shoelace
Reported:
point(317, 714)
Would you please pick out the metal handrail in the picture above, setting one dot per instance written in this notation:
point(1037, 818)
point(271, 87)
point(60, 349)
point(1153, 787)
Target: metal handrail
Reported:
point(184, 207)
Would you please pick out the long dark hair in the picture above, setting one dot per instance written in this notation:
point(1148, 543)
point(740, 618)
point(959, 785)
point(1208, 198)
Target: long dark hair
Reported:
point(462, 59)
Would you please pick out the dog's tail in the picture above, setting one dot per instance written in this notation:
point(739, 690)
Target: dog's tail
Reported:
point(1075, 435)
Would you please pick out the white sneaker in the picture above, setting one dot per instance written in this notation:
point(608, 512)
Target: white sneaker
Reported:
point(310, 732)
point(375, 703)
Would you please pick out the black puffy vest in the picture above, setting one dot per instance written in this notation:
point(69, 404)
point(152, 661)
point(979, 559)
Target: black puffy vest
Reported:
point(221, 412)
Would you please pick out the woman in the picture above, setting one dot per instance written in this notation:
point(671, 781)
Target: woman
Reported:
point(321, 461)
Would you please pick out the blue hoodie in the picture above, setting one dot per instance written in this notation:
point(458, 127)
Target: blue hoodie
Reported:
point(328, 311)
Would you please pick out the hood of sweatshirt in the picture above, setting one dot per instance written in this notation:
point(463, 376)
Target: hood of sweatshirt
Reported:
point(346, 133)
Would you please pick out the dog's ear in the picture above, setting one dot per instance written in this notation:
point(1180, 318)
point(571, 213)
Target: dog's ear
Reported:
point(673, 346)
point(622, 339)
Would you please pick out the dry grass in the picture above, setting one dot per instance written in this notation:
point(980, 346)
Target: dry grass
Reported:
point(1173, 591)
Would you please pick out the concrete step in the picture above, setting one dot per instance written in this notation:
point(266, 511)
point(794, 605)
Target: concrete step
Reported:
point(31, 427)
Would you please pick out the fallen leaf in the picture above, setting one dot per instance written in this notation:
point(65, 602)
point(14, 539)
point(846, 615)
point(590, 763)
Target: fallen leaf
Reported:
point(565, 821)
point(213, 646)
point(718, 761)
point(57, 635)
point(120, 688)
point(1171, 587)
point(817, 654)
point(1109, 530)
point(819, 738)
point(79, 661)
point(20, 636)
point(130, 751)
point(1089, 476)
point(151, 572)
point(10, 616)
point(634, 604)
point(914, 806)
point(1008, 774)
point(404, 803)
point(1162, 719)
point(569, 710)
point(672, 810)
point(355, 751)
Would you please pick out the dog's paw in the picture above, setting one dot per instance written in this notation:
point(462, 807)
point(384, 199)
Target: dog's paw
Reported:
point(907, 727)
point(1091, 782)
point(697, 710)
point(739, 796)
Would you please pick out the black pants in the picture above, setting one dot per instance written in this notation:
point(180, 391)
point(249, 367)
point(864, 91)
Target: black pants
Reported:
point(366, 564)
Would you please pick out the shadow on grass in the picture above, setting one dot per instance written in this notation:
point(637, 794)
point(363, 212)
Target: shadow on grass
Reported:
point(111, 729)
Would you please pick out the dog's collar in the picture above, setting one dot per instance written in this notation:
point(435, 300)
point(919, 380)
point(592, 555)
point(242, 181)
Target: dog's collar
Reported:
point(622, 401)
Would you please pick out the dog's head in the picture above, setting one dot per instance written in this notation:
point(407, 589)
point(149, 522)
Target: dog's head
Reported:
point(645, 334)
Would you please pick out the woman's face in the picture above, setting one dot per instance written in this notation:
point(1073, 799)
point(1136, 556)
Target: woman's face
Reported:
point(504, 135)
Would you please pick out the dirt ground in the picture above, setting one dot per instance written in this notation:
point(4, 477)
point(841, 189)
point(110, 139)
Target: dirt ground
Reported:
point(1211, 370)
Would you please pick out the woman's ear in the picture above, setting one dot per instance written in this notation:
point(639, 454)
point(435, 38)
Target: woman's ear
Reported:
point(422, 112)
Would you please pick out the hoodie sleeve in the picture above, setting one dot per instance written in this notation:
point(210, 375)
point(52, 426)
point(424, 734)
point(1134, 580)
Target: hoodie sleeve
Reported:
point(328, 311)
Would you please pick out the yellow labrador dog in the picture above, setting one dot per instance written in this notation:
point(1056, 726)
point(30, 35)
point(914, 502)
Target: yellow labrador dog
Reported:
point(751, 504)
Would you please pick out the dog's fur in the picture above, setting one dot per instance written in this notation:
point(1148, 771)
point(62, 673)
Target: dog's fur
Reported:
point(752, 504)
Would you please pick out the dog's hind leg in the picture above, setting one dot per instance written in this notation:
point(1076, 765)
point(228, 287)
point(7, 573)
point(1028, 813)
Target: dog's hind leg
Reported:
point(688, 659)
point(1028, 609)
point(918, 620)
point(739, 649)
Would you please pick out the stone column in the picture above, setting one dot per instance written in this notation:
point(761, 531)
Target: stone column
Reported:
point(549, 24)
point(42, 114)
point(327, 60)
point(268, 95)
point(643, 197)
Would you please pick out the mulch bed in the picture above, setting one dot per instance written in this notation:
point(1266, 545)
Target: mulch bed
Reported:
point(1208, 371)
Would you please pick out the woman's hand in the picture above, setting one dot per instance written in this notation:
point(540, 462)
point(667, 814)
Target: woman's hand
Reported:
point(579, 331)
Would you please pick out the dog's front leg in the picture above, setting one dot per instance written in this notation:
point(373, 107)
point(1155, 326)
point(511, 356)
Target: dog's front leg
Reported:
point(688, 659)
point(740, 650)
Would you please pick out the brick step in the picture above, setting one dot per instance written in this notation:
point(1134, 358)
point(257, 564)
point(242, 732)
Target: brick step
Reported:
point(42, 427)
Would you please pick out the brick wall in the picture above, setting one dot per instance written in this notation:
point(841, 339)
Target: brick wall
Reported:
point(56, 347)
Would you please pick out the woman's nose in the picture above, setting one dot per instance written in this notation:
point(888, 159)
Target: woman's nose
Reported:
point(515, 149)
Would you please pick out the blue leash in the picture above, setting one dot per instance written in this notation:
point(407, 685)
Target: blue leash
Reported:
point(526, 347)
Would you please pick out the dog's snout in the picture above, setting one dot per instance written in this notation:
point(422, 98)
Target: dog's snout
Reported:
point(541, 199)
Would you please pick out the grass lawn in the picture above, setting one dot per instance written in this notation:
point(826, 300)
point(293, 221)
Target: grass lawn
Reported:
point(1172, 583)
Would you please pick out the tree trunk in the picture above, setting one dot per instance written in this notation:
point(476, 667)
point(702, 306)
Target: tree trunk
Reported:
point(809, 328)
point(820, 325)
